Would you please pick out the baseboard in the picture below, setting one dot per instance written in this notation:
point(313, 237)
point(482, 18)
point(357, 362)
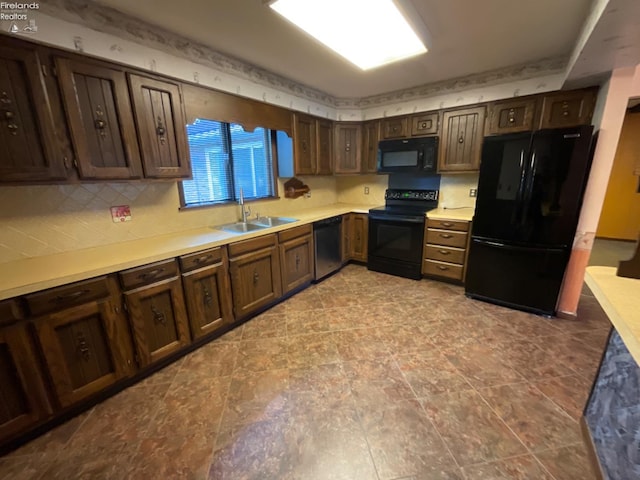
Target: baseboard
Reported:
point(591, 449)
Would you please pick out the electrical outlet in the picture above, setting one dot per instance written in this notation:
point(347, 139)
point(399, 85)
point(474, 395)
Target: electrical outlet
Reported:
point(307, 195)
point(366, 190)
point(473, 192)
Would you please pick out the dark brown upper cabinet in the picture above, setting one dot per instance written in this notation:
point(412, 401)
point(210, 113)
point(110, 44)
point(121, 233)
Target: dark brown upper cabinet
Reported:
point(394, 127)
point(159, 116)
point(424, 124)
point(324, 164)
point(511, 116)
point(99, 114)
point(461, 142)
point(567, 109)
point(347, 146)
point(304, 137)
point(29, 149)
point(370, 139)
point(310, 152)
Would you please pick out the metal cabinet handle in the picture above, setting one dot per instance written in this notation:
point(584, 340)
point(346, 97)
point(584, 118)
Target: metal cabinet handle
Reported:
point(445, 235)
point(423, 124)
point(256, 277)
point(158, 316)
point(461, 139)
point(99, 122)
point(447, 224)
point(444, 252)
point(208, 300)
point(151, 274)
point(347, 147)
point(160, 130)
point(297, 262)
point(82, 348)
point(202, 259)
point(69, 296)
point(442, 267)
point(9, 115)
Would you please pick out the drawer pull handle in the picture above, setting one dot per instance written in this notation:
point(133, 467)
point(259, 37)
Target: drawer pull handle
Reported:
point(446, 235)
point(256, 277)
point(443, 268)
point(447, 224)
point(297, 262)
point(151, 274)
point(69, 296)
point(202, 259)
point(444, 252)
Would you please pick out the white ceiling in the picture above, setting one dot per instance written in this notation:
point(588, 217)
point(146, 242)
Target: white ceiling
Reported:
point(468, 37)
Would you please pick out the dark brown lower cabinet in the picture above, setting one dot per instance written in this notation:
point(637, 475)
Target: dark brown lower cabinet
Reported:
point(296, 257)
point(207, 291)
point(86, 348)
point(158, 320)
point(23, 398)
point(255, 274)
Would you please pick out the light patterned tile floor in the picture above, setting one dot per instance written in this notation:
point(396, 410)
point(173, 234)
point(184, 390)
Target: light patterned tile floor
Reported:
point(363, 376)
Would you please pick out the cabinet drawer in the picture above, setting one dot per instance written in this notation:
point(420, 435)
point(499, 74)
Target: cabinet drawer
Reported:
point(424, 124)
point(59, 298)
point(511, 116)
point(295, 232)
point(245, 246)
point(200, 259)
point(443, 269)
point(446, 237)
point(444, 254)
point(458, 225)
point(136, 277)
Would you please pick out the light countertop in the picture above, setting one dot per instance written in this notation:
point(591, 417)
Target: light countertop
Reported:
point(38, 273)
point(619, 297)
point(465, 213)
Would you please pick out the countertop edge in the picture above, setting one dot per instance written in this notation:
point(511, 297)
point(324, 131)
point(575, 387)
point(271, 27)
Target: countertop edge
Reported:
point(29, 275)
point(464, 214)
point(622, 309)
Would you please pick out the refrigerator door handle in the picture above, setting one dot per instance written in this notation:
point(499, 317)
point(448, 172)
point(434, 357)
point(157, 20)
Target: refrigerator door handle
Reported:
point(515, 248)
point(528, 189)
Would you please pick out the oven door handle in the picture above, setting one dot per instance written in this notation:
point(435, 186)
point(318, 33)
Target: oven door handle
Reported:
point(397, 218)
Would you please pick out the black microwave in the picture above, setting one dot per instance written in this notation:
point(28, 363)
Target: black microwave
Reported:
point(412, 155)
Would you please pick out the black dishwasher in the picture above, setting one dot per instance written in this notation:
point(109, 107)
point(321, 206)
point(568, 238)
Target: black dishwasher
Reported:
point(328, 246)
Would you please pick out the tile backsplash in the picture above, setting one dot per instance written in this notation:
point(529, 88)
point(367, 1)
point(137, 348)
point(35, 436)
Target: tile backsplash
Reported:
point(43, 220)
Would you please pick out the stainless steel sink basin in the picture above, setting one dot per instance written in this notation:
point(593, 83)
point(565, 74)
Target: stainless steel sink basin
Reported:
point(241, 227)
point(273, 221)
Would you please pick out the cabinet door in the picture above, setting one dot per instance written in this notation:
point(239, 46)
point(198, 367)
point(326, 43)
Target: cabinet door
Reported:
point(395, 127)
point(100, 118)
point(255, 280)
point(371, 137)
point(567, 109)
point(462, 134)
point(304, 137)
point(208, 299)
point(360, 235)
point(23, 400)
point(346, 236)
point(159, 319)
point(424, 124)
point(347, 148)
point(84, 350)
point(296, 257)
point(511, 116)
point(161, 127)
point(325, 148)
point(28, 144)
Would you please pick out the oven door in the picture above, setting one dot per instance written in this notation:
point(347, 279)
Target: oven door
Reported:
point(395, 244)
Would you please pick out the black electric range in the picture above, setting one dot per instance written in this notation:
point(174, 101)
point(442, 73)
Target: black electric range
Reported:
point(396, 232)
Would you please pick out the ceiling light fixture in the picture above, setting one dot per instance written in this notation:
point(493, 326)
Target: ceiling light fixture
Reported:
point(368, 33)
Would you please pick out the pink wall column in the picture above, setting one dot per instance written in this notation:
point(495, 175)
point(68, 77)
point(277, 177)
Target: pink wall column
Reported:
point(623, 84)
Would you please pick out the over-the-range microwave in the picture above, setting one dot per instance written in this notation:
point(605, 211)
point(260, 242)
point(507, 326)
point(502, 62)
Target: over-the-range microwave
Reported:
point(412, 155)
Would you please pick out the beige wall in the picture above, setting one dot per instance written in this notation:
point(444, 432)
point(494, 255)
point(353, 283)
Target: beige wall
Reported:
point(454, 190)
point(351, 189)
point(43, 220)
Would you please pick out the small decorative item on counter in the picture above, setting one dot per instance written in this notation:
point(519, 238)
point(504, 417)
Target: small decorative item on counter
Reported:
point(630, 268)
point(294, 188)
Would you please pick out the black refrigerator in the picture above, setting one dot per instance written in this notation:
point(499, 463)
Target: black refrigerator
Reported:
point(530, 193)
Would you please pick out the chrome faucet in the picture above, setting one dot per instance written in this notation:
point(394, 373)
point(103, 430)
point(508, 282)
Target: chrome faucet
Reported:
point(245, 213)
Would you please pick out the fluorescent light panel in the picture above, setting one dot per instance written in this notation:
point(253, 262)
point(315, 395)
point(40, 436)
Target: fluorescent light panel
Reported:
point(368, 33)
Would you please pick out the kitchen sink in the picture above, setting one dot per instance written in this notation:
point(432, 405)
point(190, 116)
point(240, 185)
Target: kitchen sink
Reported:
point(272, 221)
point(242, 227)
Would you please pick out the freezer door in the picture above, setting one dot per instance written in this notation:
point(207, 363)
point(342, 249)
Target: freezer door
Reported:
point(500, 186)
point(519, 277)
point(554, 185)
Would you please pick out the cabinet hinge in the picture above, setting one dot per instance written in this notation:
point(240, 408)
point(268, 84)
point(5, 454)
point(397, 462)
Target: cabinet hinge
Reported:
point(75, 162)
point(124, 307)
point(45, 70)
